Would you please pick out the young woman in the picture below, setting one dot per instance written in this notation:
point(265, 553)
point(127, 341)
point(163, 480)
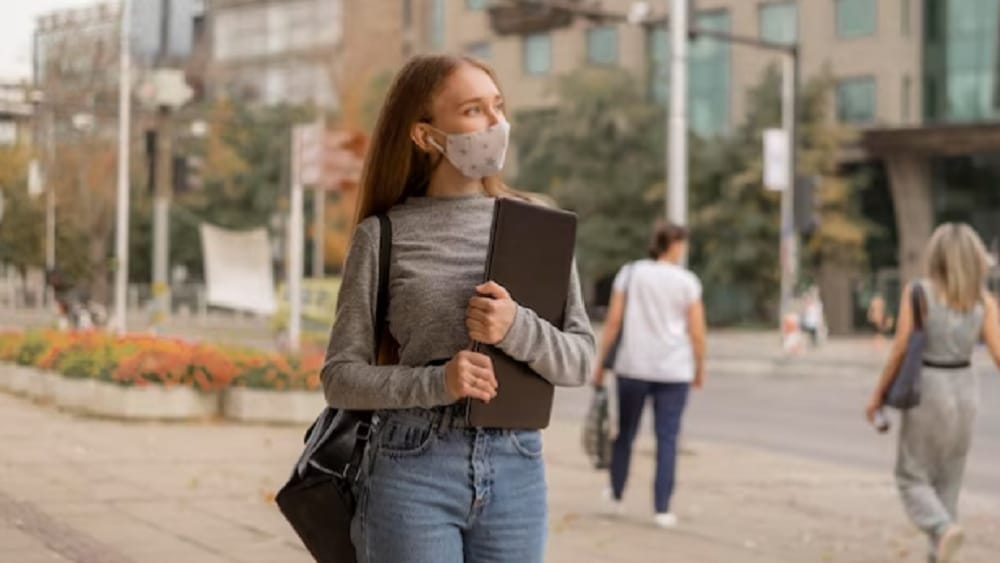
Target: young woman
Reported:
point(657, 303)
point(935, 436)
point(437, 490)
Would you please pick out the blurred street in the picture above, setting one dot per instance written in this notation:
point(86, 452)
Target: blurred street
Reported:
point(776, 468)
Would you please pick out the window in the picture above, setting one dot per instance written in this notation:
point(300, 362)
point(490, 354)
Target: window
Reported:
point(856, 100)
point(482, 50)
point(855, 18)
point(708, 76)
point(602, 45)
point(658, 64)
point(779, 22)
point(961, 60)
point(537, 53)
point(437, 24)
point(476, 4)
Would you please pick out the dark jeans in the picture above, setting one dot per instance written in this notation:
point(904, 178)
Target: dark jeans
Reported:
point(669, 400)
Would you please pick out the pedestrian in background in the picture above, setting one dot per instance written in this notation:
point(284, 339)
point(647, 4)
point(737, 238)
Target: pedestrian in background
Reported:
point(656, 305)
point(435, 489)
point(935, 435)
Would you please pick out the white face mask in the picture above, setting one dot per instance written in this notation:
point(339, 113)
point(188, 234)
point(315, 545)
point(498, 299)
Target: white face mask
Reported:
point(478, 154)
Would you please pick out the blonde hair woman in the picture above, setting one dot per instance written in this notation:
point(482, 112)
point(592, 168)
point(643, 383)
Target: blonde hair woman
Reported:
point(935, 436)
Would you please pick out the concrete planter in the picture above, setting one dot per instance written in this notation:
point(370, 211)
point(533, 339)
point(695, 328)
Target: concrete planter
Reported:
point(89, 396)
point(261, 405)
point(24, 380)
point(153, 402)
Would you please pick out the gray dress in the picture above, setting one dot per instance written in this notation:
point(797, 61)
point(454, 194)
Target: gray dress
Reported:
point(935, 436)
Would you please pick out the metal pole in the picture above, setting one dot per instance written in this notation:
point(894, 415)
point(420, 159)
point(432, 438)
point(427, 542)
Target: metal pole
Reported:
point(295, 248)
point(50, 192)
point(677, 152)
point(161, 220)
point(789, 240)
point(319, 230)
point(124, 113)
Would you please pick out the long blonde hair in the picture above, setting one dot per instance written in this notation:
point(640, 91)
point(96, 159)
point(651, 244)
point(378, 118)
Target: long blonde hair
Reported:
point(395, 168)
point(957, 264)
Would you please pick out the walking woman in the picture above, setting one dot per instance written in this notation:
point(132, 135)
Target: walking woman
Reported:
point(935, 436)
point(435, 489)
point(657, 304)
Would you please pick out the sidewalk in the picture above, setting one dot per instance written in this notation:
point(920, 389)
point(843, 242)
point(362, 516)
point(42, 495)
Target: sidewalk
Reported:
point(88, 491)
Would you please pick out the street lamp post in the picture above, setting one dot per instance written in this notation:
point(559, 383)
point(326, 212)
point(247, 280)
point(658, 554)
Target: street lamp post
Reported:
point(124, 113)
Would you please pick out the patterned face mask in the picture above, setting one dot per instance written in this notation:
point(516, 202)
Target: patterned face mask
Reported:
point(478, 154)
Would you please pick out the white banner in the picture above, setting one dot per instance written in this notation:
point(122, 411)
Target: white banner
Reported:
point(238, 269)
point(775, 159)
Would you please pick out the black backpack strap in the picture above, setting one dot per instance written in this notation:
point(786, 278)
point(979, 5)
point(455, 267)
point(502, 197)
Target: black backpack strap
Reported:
point(382, 297)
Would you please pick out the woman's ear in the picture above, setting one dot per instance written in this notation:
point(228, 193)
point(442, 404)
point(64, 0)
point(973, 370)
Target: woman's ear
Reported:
point(420, 134)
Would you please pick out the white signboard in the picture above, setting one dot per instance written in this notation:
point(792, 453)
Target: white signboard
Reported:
point(309, 145)
point(238, 269)
point(776, 159)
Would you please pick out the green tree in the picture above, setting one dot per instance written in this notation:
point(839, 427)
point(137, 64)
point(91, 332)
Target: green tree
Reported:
point(598, 153)
point(22, 228)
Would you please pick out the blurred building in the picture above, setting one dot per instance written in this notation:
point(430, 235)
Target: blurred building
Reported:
point(16, 111)
point(919, 78)
point(275, 51)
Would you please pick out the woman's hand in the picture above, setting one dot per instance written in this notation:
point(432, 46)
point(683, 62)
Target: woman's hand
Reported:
point(874, 404)
point(490, 314)
point(470, 374)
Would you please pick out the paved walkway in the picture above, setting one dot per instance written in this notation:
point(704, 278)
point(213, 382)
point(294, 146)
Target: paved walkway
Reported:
point(98, 491)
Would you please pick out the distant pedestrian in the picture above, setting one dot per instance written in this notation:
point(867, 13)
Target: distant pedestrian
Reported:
point(880, 319)
point(935, 435)
point(656, 305)
point(813, 320)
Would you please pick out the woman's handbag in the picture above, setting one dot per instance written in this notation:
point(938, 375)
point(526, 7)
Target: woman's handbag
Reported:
point(597, 430)
point(904, 391)
point(318, 500)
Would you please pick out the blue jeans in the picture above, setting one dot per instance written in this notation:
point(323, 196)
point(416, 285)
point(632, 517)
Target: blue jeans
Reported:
point(669, 400)
point(439, 491)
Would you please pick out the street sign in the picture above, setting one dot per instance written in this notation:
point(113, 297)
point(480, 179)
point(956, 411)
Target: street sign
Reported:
point(35, 184)
point(327, 160)
point(776, 159)
point(165, 87)
point(308, 140)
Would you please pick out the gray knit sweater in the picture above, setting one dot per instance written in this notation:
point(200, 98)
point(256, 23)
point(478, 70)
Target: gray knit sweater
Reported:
point(439, 252)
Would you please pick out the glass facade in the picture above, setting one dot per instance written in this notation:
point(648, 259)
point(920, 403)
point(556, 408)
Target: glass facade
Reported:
point(537, 53)
point(856, 100)
point(961, 60)
point(708, 74)
point(709, 78)
point(779, 22)
point(482, 50)
point(658, 64)
point(437, 24)
point(602, 45)
point(856, 18)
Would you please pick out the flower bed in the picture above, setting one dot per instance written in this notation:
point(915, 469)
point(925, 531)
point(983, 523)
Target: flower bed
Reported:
point(164, 378)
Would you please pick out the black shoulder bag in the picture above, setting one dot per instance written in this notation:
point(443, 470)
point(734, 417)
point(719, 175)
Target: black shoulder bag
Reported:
point(318, 499)
point(904, 391)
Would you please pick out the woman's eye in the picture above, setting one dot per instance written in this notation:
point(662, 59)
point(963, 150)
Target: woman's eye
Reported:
point(472, 110)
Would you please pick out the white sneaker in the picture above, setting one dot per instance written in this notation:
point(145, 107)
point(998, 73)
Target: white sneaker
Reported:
point(949, 544)
point(665, 520)
point(612, 507)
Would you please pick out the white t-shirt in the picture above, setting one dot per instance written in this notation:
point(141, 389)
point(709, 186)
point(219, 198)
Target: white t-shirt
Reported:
point(656, 345)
